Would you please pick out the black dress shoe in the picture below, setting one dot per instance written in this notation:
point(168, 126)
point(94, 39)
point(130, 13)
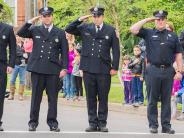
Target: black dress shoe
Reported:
point(32, 128)
point(91, 129)
point(103, 129)
point(153, 130)
point(168, 131)
point(1, 128)
point(54, 129)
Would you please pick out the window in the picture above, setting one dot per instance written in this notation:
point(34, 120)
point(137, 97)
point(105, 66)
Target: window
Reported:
point(12, 4)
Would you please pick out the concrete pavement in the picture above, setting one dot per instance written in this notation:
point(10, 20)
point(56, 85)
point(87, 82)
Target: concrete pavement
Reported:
point(72, 116)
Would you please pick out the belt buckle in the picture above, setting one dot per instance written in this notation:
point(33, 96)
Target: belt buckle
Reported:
point(162, 66)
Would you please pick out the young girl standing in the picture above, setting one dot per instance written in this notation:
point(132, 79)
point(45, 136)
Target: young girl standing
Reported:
point(126, 78)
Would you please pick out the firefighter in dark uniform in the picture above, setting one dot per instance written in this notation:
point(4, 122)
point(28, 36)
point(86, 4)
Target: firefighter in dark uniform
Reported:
point(7, 38)
point(98, 39)
point(162, 48)
point(49, 42)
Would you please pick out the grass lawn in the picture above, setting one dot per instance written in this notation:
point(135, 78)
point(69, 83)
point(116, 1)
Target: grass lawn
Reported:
point(116, 95)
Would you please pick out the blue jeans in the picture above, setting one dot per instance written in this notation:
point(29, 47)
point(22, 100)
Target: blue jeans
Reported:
point(69, 85)
point(180, 99)
point(137, 90)
point(21, 70)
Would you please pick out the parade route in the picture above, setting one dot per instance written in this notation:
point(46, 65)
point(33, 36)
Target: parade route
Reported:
point(73, 121)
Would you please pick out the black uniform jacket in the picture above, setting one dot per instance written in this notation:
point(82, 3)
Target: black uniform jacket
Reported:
point(50, 50)
point(96, 47)
point(7, 38)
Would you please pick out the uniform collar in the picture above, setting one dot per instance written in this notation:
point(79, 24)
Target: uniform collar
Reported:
point(50, 27)
point(101, 25)
point(158, 31)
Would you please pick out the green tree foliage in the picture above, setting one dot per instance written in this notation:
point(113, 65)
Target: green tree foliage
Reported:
point(6, 14)
point(121, 14)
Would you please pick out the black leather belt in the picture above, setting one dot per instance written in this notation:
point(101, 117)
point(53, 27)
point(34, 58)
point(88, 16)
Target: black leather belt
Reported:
point(162, 66)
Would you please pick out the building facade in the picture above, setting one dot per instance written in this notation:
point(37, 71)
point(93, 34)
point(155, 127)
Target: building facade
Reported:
point(24, 10)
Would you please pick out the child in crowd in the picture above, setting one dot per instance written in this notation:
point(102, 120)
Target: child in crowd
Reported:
point(137, 67)
point(68, 81)
point(77, 73)
point(180, 99)
point(176, 87)
point(126, 78)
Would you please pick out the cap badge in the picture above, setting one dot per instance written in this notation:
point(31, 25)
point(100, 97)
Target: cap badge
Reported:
point(95, 9)
point(46, 8)
point(161, 12)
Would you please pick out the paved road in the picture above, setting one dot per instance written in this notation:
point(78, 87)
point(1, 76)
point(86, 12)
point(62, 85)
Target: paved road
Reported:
point(73, 121)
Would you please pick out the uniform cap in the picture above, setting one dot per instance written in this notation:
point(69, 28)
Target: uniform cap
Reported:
point(97, 11)
point(160, 14)
point(46, 11)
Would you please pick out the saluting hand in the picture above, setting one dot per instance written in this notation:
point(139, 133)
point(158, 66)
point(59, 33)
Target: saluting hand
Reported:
point(34, 19)
point(151, 19)
point(85, 18)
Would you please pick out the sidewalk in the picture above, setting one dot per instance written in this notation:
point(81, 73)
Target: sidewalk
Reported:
point(115, 107)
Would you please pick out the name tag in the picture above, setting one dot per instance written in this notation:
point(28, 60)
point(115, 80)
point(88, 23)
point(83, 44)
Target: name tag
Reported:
point(155, 36)
point(169, 35)
point(37, 36)
point(87, 34)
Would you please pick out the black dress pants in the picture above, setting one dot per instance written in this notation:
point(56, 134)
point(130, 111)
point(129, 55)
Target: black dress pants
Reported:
point(97, 89)
point(3, 84)
point(159, 85)
point(50, 83)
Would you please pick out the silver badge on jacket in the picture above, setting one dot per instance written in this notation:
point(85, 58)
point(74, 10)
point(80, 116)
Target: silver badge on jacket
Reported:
point(56, 40)
point(107, 37)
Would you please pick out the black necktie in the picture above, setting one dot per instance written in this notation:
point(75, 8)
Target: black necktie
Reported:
point(47, 29)
point(98, 29)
